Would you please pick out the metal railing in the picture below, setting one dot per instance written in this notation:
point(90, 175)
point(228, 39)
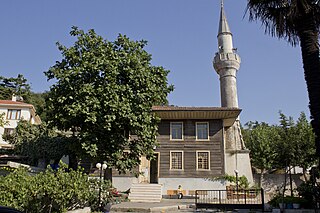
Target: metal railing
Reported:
point(224, 199)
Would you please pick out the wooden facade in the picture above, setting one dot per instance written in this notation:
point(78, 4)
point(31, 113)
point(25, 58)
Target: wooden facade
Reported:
point(189, 145)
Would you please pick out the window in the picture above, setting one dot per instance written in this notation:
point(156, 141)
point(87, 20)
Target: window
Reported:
point(176, 160)
point(176, 131)
point(203, 160)
point(8, 131)
point(14, 114)
point(202, 130)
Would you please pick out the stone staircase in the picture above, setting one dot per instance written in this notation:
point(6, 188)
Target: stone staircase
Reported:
point(145, 192)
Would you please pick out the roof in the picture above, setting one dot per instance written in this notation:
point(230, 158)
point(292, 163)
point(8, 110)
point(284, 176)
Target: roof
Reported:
point(223, 24)
point(15, 103)
point(180, 113)
point(188, 108)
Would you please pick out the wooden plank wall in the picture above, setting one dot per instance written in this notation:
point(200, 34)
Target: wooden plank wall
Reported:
point(189, 146)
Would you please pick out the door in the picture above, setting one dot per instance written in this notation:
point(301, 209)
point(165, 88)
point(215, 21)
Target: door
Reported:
point(154, 169)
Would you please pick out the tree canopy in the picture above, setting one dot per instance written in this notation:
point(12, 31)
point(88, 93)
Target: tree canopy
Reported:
point(296, 145)
point(11, 85)
point(277, 146)
point(104, 92)
point(282, 146)
point(36, 142)
point(261, 139)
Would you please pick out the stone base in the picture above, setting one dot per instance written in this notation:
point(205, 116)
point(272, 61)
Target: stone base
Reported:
point(239, 160)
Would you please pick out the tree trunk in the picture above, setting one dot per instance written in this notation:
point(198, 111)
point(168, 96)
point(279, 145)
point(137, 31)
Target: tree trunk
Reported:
point(290, 178)
point(284, 186)
point(108, 174)
point(309, 44)
point(73, 161)
point(304, 174)
point(261, 178)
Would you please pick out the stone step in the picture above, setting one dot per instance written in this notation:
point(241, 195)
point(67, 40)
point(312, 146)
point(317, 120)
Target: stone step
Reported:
point(145, 193)
point(145, 185)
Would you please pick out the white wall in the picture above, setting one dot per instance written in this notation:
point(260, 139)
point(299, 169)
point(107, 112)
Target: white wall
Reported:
point(25, 114)
point(123, 183)
point(272, 182)
point(190, 184)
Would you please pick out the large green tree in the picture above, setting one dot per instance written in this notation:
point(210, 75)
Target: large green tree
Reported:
point(282, 146)
point(261, 140)
point(104, 91)
point(305, 146)
point(296, 146)
point(297, 21)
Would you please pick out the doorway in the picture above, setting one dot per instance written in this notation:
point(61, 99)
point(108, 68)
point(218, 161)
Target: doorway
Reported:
point(154, 169)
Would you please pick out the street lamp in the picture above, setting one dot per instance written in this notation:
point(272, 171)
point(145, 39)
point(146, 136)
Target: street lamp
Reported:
point(100, 167)
point(237, 183)
point(237, 179)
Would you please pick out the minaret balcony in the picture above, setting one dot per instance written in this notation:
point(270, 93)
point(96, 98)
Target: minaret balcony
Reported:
point(226, 60)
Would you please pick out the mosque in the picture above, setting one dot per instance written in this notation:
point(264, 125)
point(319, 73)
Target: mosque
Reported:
point(196, 143)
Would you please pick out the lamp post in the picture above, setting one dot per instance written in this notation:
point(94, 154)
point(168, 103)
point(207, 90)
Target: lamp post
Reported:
point(101, 167)
point(237, 179)
point(237, 182)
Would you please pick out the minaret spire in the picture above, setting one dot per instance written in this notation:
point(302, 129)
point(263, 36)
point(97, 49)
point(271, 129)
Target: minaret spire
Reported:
point(223, 25)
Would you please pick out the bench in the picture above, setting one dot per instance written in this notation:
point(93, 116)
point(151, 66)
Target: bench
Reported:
point(174, 192)
point(192, 193)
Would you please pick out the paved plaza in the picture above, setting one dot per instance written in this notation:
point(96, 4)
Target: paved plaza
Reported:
point(166, 205)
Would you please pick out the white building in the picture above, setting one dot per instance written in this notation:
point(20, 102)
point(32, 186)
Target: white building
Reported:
point(13, 111)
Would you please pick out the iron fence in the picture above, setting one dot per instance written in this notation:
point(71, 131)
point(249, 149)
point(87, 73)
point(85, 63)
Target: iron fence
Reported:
point(230, 199)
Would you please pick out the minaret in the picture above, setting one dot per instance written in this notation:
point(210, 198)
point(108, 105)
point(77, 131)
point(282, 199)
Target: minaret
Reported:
point(226, 63)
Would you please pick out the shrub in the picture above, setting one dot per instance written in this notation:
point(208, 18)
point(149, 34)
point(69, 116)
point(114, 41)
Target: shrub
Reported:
point(242, 181)
point(49, 191)
point(310, 192)
point(287, 200)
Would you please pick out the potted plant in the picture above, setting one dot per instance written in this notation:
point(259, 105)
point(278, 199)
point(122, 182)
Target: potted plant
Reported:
point(294, 202)
point(288, 202)
point(277, 201)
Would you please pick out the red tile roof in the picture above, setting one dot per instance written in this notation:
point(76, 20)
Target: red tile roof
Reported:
point(16, 103)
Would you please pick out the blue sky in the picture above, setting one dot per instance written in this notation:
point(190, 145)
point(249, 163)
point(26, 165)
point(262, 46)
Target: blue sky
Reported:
point(181, 37)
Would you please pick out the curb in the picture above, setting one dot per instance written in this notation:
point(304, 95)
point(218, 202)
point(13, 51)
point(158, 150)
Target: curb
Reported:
point(129, 210)
point(160, 209)
point(163, 209)
point(84, 210)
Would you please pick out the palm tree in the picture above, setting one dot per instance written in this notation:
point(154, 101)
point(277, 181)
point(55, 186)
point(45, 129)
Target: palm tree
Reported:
point(298, 22)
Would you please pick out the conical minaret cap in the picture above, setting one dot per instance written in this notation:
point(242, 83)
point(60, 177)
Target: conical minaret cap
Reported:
point(223, 25)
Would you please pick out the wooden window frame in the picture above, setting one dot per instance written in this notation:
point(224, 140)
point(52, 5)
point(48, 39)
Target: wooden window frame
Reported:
point(197, 158)
point(176, 139)
point(199, 139)
point(182, 160)
point(18, 114)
